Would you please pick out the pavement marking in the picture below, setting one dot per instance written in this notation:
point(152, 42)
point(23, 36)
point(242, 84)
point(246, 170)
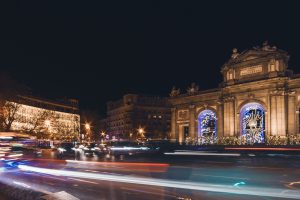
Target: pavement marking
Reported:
point(85, 181)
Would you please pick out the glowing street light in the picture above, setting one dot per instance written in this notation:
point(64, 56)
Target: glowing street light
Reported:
point(141, 130)
point(87, 126)
point(103, 133)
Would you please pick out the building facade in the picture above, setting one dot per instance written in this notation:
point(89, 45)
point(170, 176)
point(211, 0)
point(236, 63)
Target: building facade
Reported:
point(137, 115)
point(259, 98)
point(46, 119)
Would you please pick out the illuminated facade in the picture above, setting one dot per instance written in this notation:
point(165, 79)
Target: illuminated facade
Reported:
point(47, 119)
point(259, 98)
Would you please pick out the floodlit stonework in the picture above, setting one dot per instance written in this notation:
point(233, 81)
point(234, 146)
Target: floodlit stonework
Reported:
point(258, 98)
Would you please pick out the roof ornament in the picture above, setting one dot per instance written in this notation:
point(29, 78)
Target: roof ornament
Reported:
point(267, 47)
point(234, 53)
point(174, 92)
point(193, 89)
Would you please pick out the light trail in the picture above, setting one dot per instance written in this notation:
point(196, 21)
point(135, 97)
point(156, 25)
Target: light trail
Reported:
point(84, 181)
point(124, 166)
point(243, 190)
point(196, 153)
point(119, 163)
point(263, 148)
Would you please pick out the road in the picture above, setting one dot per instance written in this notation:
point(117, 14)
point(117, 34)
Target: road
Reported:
point(162, 177)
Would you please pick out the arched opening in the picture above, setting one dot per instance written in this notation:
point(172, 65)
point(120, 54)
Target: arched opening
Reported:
point(207, 123)
point(252, 123)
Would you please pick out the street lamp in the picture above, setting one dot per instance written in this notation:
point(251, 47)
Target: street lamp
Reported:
point(103, 136)
point(141, 132)
point(102, 133)
point(87, 128)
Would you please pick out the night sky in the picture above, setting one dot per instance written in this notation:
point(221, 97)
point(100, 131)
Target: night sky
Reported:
point(97, 51)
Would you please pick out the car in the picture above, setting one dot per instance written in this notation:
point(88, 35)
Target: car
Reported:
point(127, 148)
point(66, 149)
point(89, 149)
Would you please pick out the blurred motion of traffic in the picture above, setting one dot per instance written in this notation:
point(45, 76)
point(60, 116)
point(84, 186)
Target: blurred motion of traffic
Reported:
point(153, 169)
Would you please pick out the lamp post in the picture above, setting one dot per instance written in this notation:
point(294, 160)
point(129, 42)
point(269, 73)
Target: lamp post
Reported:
point(141, 132)
point(88, 129)
point(103, 136)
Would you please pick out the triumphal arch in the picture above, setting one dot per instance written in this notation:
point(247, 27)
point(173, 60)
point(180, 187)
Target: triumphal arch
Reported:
point(258, 98)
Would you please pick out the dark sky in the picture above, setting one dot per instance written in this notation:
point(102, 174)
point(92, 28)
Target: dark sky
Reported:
point(99, 50)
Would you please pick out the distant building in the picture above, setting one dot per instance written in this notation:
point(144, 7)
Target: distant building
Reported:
point(258, 100)
point(45, 118)
point(136, 115)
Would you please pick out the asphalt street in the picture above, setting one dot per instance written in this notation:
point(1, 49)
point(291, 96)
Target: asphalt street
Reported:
point(162, 177)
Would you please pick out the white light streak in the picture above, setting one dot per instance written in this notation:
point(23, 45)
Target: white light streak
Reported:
point(21, 184)
point(195, 153)
point(245, 190)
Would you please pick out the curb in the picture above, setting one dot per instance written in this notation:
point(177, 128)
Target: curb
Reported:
point(19, 193)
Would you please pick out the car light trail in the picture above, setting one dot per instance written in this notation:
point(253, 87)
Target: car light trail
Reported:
point(21, 184)
point(195, 153)
point(254, 191)
point(124, 166)
point(262, 149)
point(118, 163)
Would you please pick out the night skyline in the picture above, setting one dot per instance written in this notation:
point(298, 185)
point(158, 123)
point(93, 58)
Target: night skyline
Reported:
point(98, 52)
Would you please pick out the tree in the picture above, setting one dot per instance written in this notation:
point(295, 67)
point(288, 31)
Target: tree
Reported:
point(9, 91)
point(8, 115)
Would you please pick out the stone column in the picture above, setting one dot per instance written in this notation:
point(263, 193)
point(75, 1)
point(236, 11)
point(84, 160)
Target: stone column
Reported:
point(173, 124)
point(229, 116)
point(291, 114)
point(220, 119)
point(273, 113)
point(192, 121)
point(278, 113)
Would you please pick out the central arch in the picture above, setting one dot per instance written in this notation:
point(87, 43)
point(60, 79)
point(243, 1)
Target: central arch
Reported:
point(252, 123)
point(207, 125)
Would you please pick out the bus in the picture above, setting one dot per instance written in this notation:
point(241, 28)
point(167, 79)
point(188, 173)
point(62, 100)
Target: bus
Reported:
point(13, 145)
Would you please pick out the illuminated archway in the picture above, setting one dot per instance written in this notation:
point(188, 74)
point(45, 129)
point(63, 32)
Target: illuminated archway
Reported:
point(252, 123)
point(207, 125)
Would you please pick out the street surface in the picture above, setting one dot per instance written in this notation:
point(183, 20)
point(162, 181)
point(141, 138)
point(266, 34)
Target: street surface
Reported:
point(162, 177)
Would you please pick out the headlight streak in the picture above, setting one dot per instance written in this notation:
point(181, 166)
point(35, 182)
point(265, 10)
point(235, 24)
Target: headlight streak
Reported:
point(129, 148)
point(254, 191)
point(263, 148)
point(21, 184)
point(195, 153)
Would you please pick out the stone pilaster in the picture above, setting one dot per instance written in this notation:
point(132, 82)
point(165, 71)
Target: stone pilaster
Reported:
point(278, 113)
point(220, 119)
point(291, 114)
point(173, 124)
point(192, 128)
point(229, 116)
